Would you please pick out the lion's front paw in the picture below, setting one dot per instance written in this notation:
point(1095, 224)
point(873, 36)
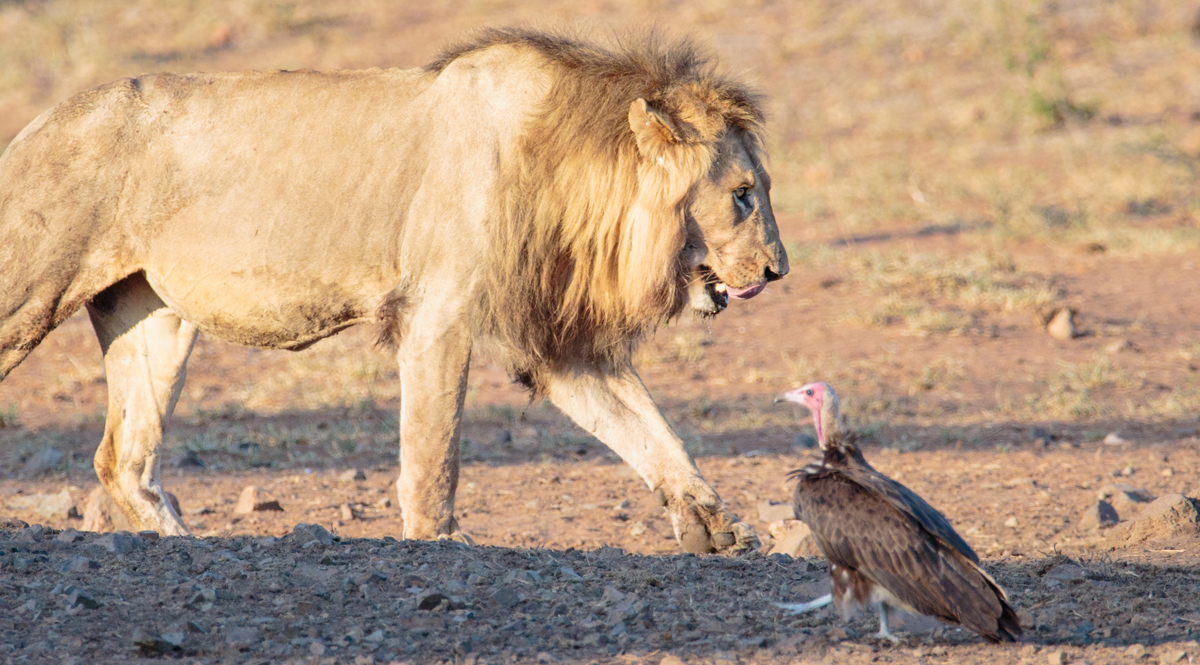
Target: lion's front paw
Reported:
point(701, 523)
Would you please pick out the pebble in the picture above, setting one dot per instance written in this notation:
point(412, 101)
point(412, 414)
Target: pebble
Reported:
point(771, 511)
point(40, 462)
point(1098, 515)
point(79, 564)
point(1058, 657)
point(1062, 325)
point(306, 533)
point(1171, 656)
point(352, 475)
point(638, 529)
point(255, 499)
point(1136, 651)
point(69, 536)
point(1011, 522)
point(101, 514)
point(79, 598)
point(1113, 439)
point(347, 512)
point(242, 637)
point(121, 542)
point(671, 660)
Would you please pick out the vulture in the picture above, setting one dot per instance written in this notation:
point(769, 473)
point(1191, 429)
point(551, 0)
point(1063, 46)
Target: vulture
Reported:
point(887, 548)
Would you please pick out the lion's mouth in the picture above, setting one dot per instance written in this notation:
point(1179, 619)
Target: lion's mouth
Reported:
point(719, 292)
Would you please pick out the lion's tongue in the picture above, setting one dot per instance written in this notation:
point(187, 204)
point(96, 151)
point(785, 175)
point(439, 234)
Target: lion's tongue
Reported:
point(747, 292)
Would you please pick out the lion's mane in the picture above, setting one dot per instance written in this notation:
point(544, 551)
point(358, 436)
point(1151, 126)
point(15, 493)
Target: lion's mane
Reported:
point(588, 244)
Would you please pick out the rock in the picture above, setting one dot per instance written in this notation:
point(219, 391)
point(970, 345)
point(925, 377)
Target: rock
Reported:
point(1025, 618)
point(31, 534)
point(1171, 656)
point(148, 535)
point(771, 511)
point(1119, 346)
point(1113, 439)
point(242, 637)
point(101, 514)
point(79, 564)
point(507, 597)
point(306, 533)
point(347, 512)
point(1136, 651)
point(622, 505)
point(1011, 522)
point(255, 499)
point(638, 529)
point(153, 644)
point(796, 542)
point(12, 524)
point(1169, 516)
point(40, 462)
point(1098, 516)
point(47, 506)
point(671, 660)
point(1066, 572)
point(121, 542)
point(1062, 325)
point(69, 536)
point(1126, 499)
point(569, 575)
point(351, 475)
point(434, 602)
point(80, 598)
point(1057, 657)
point(316, 649)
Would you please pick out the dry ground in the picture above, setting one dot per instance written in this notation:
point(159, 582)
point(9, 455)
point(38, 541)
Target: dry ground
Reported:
point(943, 177)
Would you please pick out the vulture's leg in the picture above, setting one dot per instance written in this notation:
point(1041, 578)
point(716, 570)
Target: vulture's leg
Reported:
point(884, 632)
point(800, 608)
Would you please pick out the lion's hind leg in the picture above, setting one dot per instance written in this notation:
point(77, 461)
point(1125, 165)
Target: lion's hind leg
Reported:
point(146, 347)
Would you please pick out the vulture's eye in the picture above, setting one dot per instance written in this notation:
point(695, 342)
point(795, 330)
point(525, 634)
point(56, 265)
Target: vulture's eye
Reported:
point(809, 392)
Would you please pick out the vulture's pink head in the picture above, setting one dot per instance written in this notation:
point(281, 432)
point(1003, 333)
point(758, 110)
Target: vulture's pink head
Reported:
point(823, 402)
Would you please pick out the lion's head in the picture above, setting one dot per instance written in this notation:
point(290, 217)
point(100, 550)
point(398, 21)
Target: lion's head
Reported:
point(640, 190)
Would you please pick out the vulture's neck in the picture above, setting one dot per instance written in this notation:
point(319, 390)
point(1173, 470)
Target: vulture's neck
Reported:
point(842, 451)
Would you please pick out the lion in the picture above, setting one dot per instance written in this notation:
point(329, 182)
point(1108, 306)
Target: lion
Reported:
point(557, 195)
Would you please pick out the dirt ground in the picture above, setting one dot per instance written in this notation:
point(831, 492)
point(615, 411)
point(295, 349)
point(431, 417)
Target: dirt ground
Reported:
point(944, 179)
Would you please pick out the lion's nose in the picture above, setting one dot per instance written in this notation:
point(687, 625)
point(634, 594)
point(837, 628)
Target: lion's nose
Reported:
point(771, 275)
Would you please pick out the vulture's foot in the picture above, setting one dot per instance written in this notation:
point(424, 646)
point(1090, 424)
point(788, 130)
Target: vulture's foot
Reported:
point(701, 523)
point(801, 608)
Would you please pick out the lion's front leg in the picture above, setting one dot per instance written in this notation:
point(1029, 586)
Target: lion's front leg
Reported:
point(433, 373)
point(614, 406)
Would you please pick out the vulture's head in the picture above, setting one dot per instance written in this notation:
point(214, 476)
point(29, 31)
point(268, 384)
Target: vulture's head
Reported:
point(823, 402)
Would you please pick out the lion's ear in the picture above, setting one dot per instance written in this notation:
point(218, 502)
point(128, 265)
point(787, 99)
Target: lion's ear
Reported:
point(653, 129)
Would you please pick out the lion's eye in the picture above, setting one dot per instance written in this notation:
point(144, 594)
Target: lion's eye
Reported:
point(741, 193)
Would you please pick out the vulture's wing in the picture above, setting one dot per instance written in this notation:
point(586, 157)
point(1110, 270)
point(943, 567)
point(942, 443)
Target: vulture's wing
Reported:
point(908, 502)
point(859, 528)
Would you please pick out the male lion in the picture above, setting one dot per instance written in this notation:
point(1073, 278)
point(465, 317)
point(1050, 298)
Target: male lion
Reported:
point(561, 197)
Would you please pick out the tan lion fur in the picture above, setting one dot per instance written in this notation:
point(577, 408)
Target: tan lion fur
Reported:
point(587, 254)
point(561, 196)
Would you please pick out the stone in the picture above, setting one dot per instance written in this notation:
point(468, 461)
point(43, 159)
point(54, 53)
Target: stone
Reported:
point(507, 597)
point(1113, 439)
point(1062, 325)
point(153, 644)
point(101, 514)
point(40, 462)
point(1098, 516)
point(69, 536)
point(255, 499)
point(1171, 656)
point(1011, 522)
point(638, 529)
point(671, 660)
point(242, 637)
point(306, 533)
point(347, 512)
point(352, 475)
point(1066, 572)
point(1126, 499)
point(31, 534)
point(79, 564)
point(1057, 657)
point(1136, 651)
point(316, 649)
point(796, 542)
point(771, 511)
point(121, 542)
point(58, 506)
point(1169, 516)
point(80, 598)
point(12, 524)
point(1025, 618)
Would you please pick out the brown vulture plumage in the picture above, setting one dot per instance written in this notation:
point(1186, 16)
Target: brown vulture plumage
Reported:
point(887, 547)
